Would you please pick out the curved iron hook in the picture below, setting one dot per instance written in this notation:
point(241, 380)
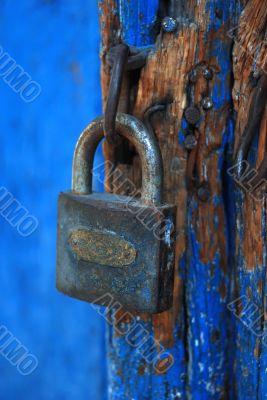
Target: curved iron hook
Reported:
point(136, 60)
point(114, 91)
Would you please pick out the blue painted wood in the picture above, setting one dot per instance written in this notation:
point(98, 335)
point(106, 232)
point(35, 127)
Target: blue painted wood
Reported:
point(209, 371)
point(57, 44)
point(208, 317)
point(138, 20)
point(248, 299)
point(128, 377)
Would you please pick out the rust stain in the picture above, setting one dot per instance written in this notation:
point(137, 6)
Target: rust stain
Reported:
point(208, 216)
point(215, 336)
point(110, 36)
point(120, 372)
point(104, 248)
point(110, 31)
point(124, 317)
point(223, 290)
point(251, 33)
point(249, 293)
point(239, 308)
point(253, 241)
point(256, 349)
point(262, 139)
point(141, 370)
point(259, 287)
point(250, 49)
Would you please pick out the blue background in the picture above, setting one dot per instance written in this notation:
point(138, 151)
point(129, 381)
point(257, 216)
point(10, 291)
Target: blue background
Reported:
point(57, 43)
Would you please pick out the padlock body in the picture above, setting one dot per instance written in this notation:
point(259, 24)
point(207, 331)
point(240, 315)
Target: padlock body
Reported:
point(111, 245)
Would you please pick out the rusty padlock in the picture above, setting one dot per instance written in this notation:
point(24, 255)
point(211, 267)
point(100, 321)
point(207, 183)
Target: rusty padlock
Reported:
point(116, 245)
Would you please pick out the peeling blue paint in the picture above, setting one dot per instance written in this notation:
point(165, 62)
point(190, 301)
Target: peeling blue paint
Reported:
point(138, 19)
point(202, 331)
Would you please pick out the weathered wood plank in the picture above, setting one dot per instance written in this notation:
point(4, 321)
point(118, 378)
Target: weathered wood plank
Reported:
point(196, 330)
point(250, 238)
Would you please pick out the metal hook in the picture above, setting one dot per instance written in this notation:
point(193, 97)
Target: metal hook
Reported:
point(121, 53)
point(121, 58)
point(149, 112)
point(136, 60)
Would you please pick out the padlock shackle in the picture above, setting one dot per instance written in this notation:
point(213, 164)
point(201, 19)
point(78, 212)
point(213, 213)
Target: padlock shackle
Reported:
point(145, 143)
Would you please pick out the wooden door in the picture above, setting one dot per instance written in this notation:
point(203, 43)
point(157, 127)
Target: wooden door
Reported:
point(214, 60)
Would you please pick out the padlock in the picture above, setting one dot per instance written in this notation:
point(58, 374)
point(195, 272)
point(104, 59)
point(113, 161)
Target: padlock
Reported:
point(114, 245)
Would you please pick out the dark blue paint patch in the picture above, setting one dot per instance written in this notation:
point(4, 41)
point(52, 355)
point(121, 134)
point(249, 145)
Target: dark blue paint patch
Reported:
point(208, 318)
point(138, 20)
point(182, 133)
point(140, 380)
point(207, 324)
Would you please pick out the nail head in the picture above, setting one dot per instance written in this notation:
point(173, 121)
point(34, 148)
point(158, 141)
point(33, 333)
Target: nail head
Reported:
point(190, 142)
point(207, 73)
point(192, 115)
point(169, 24)
point(203, 193)
point(207, 103)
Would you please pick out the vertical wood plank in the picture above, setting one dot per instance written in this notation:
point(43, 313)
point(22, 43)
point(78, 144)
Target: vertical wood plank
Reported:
point(196, 330)
point(249, 275)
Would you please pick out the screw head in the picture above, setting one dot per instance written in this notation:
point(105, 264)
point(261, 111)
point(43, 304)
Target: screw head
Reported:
point(190, 142)
point(192, 115)
point(203, 193)
point(207, 103)
point(169, 24)
point(207, 73)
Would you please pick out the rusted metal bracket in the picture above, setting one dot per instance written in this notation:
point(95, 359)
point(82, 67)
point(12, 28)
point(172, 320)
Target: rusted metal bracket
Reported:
point(149, 112)
point(121, 58)
point(120, 52)
point(136, 59)
point(193, 114)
